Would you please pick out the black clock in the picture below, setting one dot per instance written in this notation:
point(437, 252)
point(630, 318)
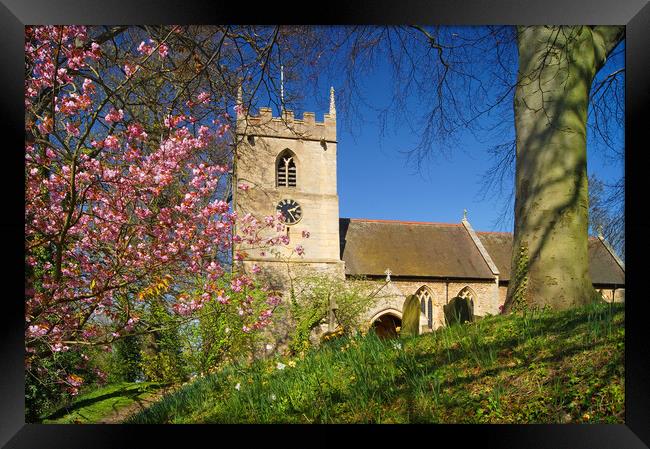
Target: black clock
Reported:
point(290, 210)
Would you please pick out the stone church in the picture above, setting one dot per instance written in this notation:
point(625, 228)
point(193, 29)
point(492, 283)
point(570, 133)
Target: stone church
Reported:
point(290, 166)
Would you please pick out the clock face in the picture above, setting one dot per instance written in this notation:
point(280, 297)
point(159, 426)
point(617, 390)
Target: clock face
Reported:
point(291, 211)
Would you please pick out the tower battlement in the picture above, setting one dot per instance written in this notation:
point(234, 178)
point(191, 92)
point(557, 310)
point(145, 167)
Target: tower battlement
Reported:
point(288, 126)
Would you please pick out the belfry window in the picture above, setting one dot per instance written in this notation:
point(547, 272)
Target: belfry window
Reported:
point(286, 169)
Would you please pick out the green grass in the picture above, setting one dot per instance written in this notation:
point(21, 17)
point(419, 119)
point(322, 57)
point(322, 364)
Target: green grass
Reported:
point(99, 404)
point(538, 367)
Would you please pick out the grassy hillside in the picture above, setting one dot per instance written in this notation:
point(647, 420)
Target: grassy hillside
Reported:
point(104, 403)
point(538, 367)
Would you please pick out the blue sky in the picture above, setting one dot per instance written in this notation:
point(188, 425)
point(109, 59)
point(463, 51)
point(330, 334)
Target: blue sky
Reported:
point(376, 181)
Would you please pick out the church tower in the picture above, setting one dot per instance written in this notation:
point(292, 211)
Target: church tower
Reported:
point(289, 165)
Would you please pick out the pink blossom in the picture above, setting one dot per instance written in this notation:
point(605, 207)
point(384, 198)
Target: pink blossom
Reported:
point(135, 131)
point(130, 69)
point(88, 85)
point(163, 50)
point(243, 187)
point(145, 48)
point(114, 116)
point(112, 142)
point(203, 97)
point(72, 129)
point(300, 250)
point(37, 330)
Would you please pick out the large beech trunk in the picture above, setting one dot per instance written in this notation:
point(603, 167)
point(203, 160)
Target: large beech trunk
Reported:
point(556, 69)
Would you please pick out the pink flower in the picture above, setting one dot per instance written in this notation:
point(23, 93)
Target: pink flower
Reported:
point(88, 85)
point(130, 69)
point(243, 187)
point(72, 129)
point(273, 300)
point(36, 330)
point(256, 269)
point(163, 50)
point(45, 127)
point(145, 48)
point(114, 116)
point(203, 97)
point(135, 131)
point(112, 142)
point(300, 250)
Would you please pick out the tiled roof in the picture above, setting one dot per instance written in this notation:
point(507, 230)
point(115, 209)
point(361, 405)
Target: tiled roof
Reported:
point(443, 250)
point(603, 268)
point(415, 249)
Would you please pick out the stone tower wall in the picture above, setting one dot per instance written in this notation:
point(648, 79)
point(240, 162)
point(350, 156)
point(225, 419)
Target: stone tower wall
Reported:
point(261, 139)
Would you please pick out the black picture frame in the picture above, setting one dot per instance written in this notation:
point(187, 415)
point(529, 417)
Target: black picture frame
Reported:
point(635, 14)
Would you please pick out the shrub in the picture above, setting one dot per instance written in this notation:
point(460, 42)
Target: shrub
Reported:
point(126, 360)
point(161, 355)
point(310, 305)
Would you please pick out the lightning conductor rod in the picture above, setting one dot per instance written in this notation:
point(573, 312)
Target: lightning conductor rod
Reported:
point(282, 87)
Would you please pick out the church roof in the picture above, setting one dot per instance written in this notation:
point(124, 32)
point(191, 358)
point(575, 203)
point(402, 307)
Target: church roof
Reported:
point(444, 250)
point(603, 267)
point(412, 249)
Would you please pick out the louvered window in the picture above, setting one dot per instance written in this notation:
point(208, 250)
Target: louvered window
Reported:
point(286, 170)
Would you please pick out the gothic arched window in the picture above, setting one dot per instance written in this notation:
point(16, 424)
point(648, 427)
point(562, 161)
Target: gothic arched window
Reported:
point(286, 169)
point(461, 308)
point(426, 304)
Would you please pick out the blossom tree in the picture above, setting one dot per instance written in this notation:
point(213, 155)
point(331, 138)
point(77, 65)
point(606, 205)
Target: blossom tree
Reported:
point(128, 172)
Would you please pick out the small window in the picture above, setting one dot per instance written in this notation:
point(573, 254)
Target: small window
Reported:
point(424, 295)
point(286, 169)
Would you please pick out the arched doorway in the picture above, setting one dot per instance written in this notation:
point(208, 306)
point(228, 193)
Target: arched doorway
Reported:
point(387, 325)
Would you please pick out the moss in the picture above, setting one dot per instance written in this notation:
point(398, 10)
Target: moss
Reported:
point(521, 279)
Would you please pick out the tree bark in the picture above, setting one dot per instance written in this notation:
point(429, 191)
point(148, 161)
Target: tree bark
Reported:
point(557, 66)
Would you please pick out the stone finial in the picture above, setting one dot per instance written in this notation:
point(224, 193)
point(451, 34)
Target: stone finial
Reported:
point(388, 273)
point(282, 86)
point(332, 103)
point(464, 214)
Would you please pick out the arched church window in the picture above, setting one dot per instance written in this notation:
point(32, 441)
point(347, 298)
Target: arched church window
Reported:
point(286, 169)
point(461, 308)
point(426, 304)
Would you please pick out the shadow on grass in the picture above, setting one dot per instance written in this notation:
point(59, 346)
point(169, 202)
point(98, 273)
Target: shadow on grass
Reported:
point(127, 391)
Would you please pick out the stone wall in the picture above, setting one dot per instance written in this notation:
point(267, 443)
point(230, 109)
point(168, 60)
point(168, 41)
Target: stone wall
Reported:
point(610, 294)
point(389, 297)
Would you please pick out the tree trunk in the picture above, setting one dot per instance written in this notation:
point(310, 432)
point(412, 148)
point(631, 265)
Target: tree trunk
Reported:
point(556, 68)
